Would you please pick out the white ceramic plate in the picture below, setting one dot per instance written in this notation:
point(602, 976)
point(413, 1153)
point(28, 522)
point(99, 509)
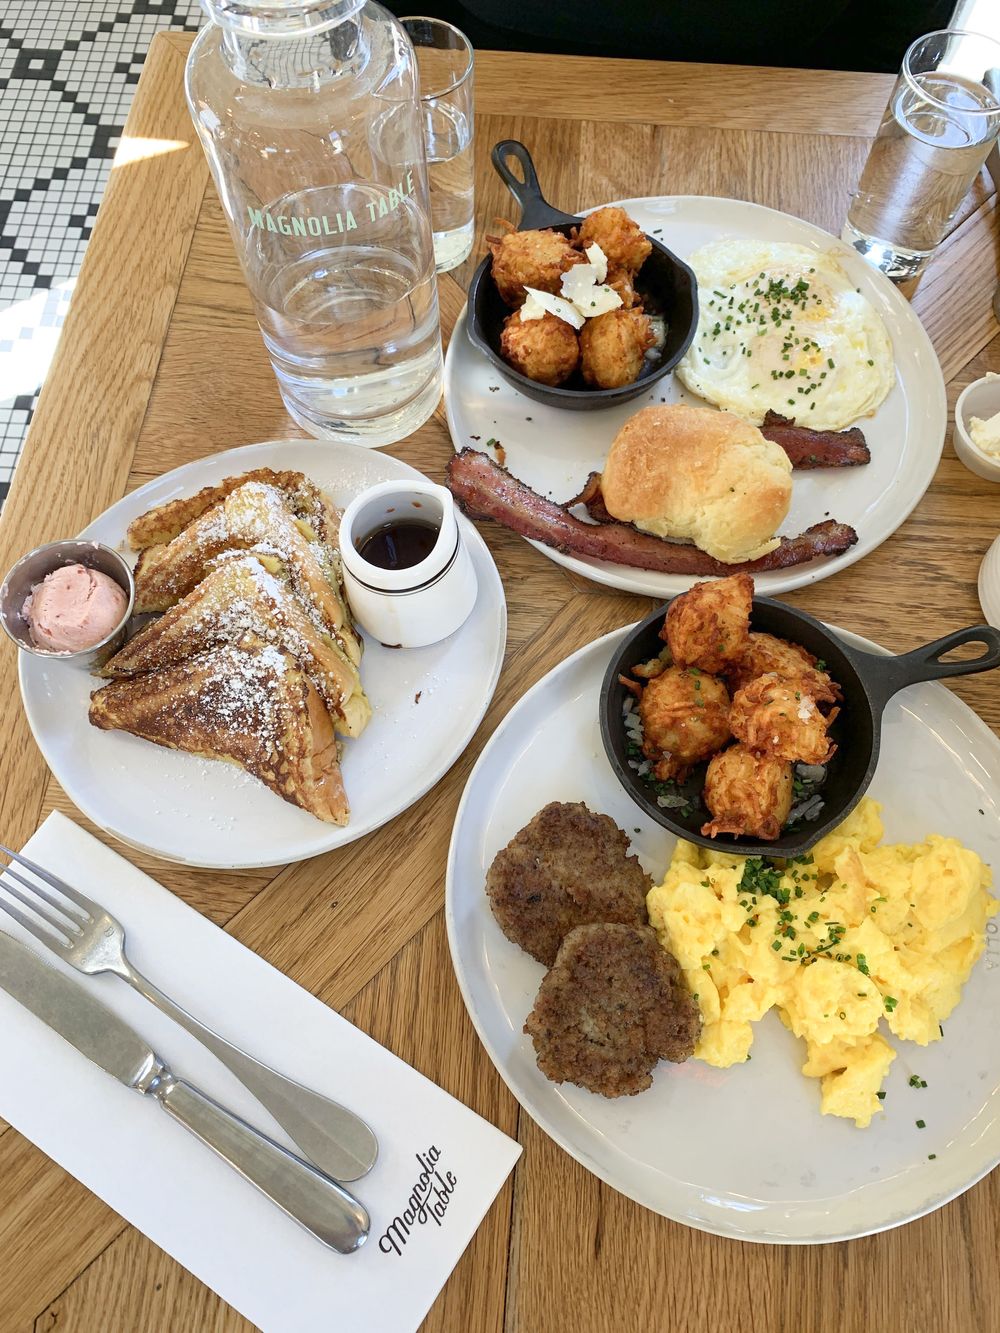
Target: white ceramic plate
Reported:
point(427, 704)
point(554, 450)
point(741, 1152)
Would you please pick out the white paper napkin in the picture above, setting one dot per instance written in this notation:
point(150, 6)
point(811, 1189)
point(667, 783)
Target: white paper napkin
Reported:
point(157, 1176)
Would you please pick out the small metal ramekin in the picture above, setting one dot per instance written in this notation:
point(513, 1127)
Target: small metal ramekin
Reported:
point(32, 568)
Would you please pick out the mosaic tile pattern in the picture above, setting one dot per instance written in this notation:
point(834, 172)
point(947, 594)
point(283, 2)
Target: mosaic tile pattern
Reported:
point(68, 70)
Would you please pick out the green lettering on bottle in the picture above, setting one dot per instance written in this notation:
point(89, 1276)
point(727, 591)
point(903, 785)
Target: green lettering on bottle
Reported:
point(284, 227)
point(298, 226)
point(270, 222)
point(256, 216)
point(351, 224)
point(314, 226)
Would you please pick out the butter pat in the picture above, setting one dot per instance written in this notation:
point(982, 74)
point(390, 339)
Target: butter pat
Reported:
point(985, 435)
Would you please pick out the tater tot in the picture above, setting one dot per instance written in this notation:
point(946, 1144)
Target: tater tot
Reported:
point(709, 625)
point(546, 349)
point(780, 717)
point(624, 243)
point(685, 718)
point(747, 795)
point(612, 347)
point(763, 653)
point(620, 280)
point(531, 259)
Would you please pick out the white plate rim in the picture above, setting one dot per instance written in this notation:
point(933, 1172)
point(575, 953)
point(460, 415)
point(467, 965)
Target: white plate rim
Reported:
point(148, 493)
point(627, 579)
point(596, 647)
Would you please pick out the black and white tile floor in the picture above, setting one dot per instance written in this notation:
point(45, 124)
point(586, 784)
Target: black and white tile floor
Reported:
point(68, 70)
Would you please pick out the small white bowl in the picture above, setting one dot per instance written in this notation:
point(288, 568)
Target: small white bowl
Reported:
point(980, 399)
point(32, 568)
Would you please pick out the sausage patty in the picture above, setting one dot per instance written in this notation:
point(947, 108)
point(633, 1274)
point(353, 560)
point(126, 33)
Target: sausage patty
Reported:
point(614, 1004)
point(567, 868)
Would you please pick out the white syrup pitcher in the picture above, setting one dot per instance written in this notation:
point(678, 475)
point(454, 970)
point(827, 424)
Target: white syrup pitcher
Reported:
point(408, 573)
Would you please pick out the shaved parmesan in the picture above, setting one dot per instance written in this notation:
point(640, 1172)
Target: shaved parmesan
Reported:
point(578, 283)
point(598, 260)
point(582, 285)
point(542, 302)
point(598, 301)
point(531, 308)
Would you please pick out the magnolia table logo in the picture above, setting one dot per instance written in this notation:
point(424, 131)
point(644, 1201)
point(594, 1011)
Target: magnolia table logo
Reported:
point(332, 224)
point(428, 1202)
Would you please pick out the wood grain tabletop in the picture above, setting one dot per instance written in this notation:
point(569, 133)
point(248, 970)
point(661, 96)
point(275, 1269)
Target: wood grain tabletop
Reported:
point(160, 363)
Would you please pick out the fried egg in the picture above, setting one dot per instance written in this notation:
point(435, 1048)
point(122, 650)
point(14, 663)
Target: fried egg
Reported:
point(782, 328)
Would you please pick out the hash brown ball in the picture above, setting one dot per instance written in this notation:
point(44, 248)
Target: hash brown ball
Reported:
point(531, 259)
point(780, 716)
point(685, 718)
point(620, 280)
point(613, 1005)
point(709, 625)
point(764, 653)
point(747, 795)
point(567, 867)
point(625, 244)
point(546, 349)
point(613, 347)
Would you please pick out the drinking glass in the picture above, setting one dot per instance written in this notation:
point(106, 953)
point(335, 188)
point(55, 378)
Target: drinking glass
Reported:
point(445, 62)
point(942, 118)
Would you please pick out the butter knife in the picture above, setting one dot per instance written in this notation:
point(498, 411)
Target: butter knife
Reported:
point(324, 1208)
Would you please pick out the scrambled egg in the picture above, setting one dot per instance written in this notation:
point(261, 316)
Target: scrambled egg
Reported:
point(837, 940)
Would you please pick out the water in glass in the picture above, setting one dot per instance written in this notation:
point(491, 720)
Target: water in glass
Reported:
point(451, 167)
point(922, 164)
point(311, 121)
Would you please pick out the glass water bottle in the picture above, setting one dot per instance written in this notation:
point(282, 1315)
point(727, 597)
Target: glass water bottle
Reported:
point(308, 111)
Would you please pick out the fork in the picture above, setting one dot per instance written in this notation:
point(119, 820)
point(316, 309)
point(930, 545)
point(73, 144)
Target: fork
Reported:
point(93, 941)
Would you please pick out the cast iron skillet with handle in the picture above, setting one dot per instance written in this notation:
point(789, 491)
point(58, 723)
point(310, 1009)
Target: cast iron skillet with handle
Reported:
point(868, 682)
point(666, 285)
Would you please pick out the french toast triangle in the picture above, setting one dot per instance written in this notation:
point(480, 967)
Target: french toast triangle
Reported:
point(253, 657)
point(303, 498)
point(250, 704)
point(252, 516)
point(239, 596)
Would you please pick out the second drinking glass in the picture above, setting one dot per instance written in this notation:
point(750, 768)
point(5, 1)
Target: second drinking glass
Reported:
point(943, 116)
point(445, 61)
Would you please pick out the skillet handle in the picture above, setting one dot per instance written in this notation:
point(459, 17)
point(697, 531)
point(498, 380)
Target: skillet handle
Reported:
point(535, 211)
point(887, 676)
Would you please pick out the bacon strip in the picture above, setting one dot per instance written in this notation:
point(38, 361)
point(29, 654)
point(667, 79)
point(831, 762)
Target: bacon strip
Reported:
point(592, 499)
point(816, 448)
point(484, 490)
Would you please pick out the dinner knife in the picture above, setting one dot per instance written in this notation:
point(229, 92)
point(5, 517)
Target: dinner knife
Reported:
point(324, 1208)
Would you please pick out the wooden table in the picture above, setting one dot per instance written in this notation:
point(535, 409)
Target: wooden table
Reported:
point(161, 362)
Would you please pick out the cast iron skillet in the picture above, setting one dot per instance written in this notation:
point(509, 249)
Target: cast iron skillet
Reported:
point(667, 286)
point(868, 683)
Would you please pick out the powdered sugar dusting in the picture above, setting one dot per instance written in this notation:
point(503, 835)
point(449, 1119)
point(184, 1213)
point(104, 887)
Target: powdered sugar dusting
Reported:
point(237, 689)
